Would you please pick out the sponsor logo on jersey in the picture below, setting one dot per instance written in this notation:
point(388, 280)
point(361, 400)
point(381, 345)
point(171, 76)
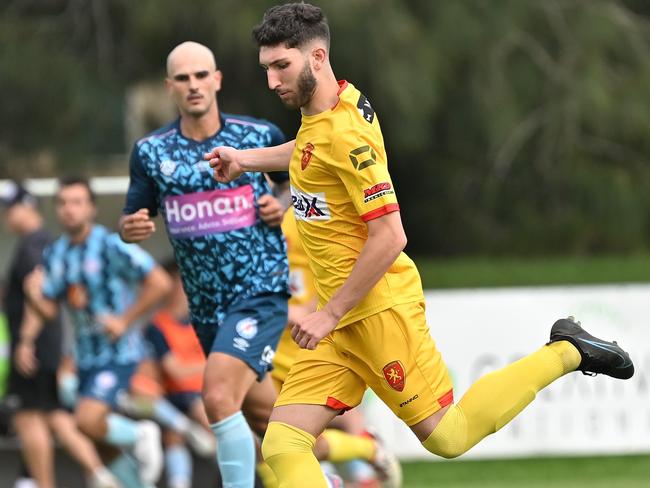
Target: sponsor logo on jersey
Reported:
point(309, 207)
point(210, 212)
point(376, 191)
point(365, 109)
point(362, 157)
point(306, 155)
point(395, 375)
point(247, 328)
point(168, 167)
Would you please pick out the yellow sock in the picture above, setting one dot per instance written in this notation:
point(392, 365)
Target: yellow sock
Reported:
point(266, 475)
point(496, 398)
point(345, 447)
point(289, 452)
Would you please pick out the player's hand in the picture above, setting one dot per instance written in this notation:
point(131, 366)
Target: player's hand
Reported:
point(33, 283)
point(114, 325)
point(271, 210)
point(310, 330)
point(225, 163)
point(25, 358)
point(137, 226)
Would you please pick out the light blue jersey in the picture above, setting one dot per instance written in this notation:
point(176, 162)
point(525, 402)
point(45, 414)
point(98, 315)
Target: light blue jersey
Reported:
point(100, 276)
point(225, 252)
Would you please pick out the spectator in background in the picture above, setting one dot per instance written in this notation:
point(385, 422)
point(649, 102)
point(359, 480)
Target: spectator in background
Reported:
point(37, 351)
point(107, 287)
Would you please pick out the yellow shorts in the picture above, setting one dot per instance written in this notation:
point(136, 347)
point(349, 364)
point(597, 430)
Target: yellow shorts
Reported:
point(285, 356)
point(392, 352)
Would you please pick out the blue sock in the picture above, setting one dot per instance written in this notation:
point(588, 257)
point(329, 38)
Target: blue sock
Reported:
point(125, 469)
point(169, 416)
point(235, 451)
point(121, 430)
point(179, 466)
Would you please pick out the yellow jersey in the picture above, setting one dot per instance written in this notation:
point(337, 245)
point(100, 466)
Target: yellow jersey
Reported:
point(339, 181)
point(301, 281)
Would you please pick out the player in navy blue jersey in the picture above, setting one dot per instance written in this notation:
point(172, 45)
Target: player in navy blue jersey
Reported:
point(107, 287)
point(228, 245)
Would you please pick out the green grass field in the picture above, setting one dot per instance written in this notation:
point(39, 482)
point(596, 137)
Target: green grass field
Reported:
point(479, 272)
point(592, 472)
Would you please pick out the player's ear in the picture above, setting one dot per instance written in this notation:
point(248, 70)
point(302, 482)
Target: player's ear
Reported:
point(168, 85)
point(218, 76)
point(319, 56)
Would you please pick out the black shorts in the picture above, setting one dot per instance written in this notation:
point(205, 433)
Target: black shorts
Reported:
point(37, 392)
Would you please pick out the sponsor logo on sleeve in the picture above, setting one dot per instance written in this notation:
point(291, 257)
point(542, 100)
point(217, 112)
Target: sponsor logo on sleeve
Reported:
point(209, 212)
point(365, 109)
point(377, 191)
point(362, 157)
point(309, 207)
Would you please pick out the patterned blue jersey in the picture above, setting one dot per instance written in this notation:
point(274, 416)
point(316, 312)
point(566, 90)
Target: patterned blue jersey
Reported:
point(100, 276)
point(223, 249)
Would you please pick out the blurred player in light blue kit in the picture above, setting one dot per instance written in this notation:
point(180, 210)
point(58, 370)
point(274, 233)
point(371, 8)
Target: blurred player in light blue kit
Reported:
point(107, 287)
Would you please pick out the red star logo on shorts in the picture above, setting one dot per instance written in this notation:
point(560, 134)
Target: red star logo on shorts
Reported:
point(395, 375)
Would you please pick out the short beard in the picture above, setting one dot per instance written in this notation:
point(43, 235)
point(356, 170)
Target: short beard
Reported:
point(305, 89)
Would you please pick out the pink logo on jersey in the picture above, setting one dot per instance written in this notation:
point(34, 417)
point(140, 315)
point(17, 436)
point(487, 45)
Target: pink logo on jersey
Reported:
point(209, 212)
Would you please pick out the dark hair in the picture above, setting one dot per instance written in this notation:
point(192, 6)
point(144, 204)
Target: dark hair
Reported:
point(65, 181)
point(292, 24)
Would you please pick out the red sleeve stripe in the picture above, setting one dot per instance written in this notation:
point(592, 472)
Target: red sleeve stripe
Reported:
point(378, 212)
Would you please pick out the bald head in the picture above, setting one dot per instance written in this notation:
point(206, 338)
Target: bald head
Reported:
point(192, 53)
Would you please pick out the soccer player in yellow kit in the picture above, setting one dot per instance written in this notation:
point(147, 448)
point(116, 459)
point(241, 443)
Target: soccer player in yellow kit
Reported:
point(370, 326)
point(351, 443)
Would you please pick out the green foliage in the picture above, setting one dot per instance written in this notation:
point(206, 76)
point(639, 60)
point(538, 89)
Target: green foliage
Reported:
point(513, 127)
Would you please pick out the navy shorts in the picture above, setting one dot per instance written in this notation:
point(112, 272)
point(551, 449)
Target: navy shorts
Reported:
point(184, 400)
point(250, 331)
point(106, 383)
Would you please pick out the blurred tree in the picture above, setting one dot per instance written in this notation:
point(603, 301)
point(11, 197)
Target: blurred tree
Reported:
point(515, 126)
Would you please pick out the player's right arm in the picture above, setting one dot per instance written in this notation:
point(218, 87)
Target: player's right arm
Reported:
point(33, 287)
point(229, 163)
point(136, 224)
point(136, 227)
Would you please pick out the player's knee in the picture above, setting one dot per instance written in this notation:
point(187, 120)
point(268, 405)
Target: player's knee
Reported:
point(449, 438)
point(89, 423)
point(283, 439)
point(219, 403)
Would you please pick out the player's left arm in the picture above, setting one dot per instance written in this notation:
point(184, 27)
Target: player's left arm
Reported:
point(386, 240)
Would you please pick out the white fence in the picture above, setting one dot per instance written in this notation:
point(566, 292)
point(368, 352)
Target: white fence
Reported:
point(482, 330)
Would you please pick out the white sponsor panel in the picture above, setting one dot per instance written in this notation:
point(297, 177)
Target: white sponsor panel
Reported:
point(479, 331)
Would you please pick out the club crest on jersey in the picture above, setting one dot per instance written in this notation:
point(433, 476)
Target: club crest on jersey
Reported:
point(309, 207)
point(77, 296)
point(306, 155)
point(168, 167)
point(395, 375)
